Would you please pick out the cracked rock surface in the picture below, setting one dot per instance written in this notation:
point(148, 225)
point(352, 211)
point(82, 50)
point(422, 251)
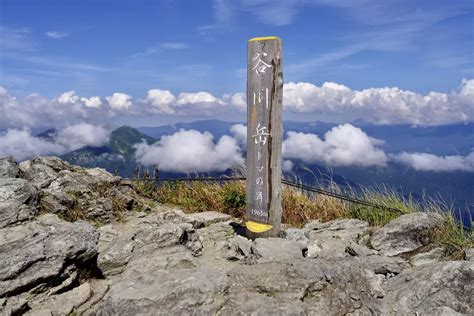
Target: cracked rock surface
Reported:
point(166, 262)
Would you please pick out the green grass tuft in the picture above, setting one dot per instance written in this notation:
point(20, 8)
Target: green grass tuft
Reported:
point(300, 207)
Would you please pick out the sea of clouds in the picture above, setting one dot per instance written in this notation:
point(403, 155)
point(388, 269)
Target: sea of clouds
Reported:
point(86, 121)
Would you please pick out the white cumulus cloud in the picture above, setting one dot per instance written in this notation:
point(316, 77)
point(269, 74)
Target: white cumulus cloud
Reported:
point(36, 111)
point(196, 98)
point(329, 102)
point(186, 103)
point(77, 136)
point(3, 91)
point(430, 162)
point(92, 102)
point(68, 97)
point(162, 101)
point(119, 101)
point(190, 151)
point(287, 165)
point(21, 144)
point(236, 100)
point(240, 133)
point(382, 105)
point(343, 145)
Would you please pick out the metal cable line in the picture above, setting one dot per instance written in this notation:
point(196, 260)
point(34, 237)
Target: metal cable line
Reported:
point(292, 184)
point(284, 181)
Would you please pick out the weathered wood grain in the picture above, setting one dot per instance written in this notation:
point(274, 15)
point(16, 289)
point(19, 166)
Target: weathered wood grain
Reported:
point(264, 135)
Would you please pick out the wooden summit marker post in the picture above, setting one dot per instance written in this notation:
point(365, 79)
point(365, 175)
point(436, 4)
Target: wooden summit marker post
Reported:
point(264, 136)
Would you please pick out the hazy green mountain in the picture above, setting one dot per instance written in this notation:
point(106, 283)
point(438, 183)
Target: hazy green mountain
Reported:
point(453, 187)
point(116, 156)
point(215, 127)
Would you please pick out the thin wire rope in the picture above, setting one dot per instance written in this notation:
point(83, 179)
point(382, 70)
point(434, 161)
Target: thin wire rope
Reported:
point(284, 181)
point(292, 184)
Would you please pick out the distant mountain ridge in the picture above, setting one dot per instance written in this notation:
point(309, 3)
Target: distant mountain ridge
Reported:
point(454, 139)
point(454, 187)
point(215, 127)
point(116, 156)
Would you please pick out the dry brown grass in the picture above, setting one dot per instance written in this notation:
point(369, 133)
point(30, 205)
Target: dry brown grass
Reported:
point(300, 207)
point(195, 197)
point(229, 198)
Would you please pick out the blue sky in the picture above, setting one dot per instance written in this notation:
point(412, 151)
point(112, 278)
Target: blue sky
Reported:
point(86, 67)
point(101, 47)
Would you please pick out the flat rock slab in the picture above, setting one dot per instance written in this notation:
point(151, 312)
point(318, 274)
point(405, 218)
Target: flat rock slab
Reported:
point(332, 239)
point(406, 233)
point(429, 257)
point(276, 249)
point(207, 218)
point(185, 291)
point(346, 229)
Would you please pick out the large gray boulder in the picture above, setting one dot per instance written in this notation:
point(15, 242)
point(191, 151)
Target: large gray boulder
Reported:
point(77, 193)
point(8, 168)
point(41, 171)
point(43, 254)
point(444, 288)
point(406, 233)
point(18, 201)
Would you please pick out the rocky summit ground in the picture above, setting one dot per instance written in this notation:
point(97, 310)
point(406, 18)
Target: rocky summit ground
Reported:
point(79, 241)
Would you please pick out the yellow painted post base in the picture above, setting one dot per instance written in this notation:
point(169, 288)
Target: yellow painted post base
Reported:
point(258, 230)
point(255, 227)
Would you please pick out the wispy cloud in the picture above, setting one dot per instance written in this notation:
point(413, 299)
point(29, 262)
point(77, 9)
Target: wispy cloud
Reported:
point(56, 35)
point(15, 39)
point(224, 10)
point(155, 49)
point(174, 45)
point(147, 52)
point(53, 62)
point(392, 34)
